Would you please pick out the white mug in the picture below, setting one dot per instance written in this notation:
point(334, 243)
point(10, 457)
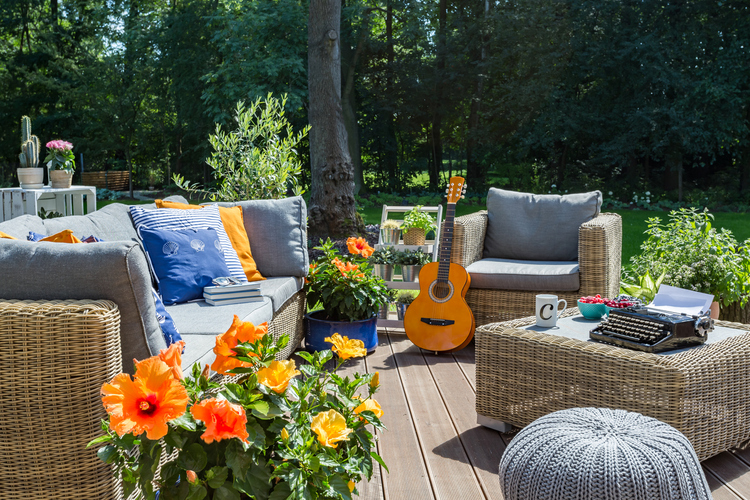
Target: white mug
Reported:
point(546, 310)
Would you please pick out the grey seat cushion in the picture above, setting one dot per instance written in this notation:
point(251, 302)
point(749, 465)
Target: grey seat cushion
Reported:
point(537, 227)
point(277, 230)
point(281, 289)
point(531, 275)
point(200, 318)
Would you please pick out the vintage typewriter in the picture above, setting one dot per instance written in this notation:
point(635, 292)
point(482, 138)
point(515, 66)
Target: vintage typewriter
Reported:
point(652, 330)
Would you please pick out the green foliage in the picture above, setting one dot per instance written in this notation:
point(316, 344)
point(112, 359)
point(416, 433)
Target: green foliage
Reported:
point(645, 288)
point(283, 456)
point(688, 253)
point(257, 160)
point(43, 214)
point(347, 290)
point(416, 218)
point(412, 257)
point(384, 255)
point(405, 297)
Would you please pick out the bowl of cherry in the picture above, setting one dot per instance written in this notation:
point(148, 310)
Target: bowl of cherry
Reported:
point(592, 307)
point(618, 303)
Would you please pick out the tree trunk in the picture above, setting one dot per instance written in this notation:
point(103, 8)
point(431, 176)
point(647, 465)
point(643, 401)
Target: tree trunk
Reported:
point(332, 207)
point(437, 114)
point(349, 107)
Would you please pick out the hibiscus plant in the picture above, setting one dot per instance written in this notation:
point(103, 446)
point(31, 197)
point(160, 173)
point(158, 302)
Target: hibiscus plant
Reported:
point(276, 433)
point(346, 289)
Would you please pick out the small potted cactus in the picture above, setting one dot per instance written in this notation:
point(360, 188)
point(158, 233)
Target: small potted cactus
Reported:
point(403, 299)
point(30, 174)
point(389, 232)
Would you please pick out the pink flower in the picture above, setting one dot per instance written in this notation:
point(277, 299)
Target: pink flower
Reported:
point(59, 144)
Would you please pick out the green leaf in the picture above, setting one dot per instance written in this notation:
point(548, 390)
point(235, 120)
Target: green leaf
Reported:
point(379, 460)
point(261, 407)
point(196, 492)
point(107, 453)
point(340, 486)
point(193, 458)
point(281, 492)
point(99, 440)
point(216, 476)
point(185, 421)
point(175, 439)
point(255, 481)
point(226, 492)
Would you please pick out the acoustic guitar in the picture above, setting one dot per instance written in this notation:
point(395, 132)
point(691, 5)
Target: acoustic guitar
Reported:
point(439, 319)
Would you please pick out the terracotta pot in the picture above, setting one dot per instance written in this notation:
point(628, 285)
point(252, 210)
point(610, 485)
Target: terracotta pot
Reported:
point(715, 310)
point(31, 178)
point(60, 179)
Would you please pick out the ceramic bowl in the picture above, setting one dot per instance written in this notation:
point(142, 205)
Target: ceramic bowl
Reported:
point(591, 311)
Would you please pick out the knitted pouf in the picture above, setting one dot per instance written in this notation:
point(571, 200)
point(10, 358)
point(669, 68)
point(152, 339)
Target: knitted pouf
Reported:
point(601, 454)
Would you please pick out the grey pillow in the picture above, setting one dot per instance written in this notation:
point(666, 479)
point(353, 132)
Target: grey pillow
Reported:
point(277, 230)
point(529, 226)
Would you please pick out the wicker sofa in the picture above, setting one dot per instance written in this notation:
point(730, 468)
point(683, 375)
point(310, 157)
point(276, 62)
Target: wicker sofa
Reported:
point(116, 269)
point(596, 270)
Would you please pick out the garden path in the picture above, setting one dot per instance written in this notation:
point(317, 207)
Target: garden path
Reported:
point(434, 447)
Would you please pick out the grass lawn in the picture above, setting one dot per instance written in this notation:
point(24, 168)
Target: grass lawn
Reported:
point(633, 224)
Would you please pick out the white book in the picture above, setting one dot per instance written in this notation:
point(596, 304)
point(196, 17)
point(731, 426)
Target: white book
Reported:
point(253, 285)
point(232, 295)
point(222, 302)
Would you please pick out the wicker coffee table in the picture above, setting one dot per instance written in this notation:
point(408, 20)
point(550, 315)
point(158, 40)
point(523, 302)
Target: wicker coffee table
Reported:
point(524, 372)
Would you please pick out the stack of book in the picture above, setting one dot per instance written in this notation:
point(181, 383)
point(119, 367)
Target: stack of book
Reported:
point(232, 294)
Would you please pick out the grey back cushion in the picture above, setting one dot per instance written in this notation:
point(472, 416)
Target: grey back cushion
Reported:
point(111, 223)
point(277, 230)
point(529, 226)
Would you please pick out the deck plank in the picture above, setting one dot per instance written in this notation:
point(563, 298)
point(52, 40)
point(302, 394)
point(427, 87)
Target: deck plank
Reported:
point(483, 446)
point(719, 490)
point(446, 459)
point(731, 471)
point(372, 489)
point(398, 445)
point(465, 360)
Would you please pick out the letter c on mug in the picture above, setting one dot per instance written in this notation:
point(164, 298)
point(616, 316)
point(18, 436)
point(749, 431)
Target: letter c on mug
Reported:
point(541, 311)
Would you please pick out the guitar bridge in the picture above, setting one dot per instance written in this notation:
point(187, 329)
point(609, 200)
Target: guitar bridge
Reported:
point(438, 322)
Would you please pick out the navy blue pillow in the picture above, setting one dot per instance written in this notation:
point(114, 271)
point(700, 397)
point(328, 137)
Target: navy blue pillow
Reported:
point(183, 261)
point(168, 328)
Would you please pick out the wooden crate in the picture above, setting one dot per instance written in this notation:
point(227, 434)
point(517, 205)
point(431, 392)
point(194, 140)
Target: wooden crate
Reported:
point(115, 180)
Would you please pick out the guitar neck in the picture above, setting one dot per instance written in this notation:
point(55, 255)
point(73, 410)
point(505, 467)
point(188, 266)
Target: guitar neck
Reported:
point(446, 244)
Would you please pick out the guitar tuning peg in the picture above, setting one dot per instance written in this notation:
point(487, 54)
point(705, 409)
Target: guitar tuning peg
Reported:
point(462, 197)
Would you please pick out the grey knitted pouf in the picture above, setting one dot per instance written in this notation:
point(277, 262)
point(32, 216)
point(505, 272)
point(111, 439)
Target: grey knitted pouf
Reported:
point(601, 454)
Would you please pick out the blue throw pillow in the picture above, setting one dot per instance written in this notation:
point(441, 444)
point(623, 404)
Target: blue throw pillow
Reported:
point(168, 328)
point(34, 237)
point(183, 261)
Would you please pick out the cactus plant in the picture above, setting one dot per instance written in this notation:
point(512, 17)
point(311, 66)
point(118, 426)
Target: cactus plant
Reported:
point(29, 157)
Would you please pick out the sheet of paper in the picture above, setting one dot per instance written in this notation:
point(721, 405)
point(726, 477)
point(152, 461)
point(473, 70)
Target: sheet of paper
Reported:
point(681, 301)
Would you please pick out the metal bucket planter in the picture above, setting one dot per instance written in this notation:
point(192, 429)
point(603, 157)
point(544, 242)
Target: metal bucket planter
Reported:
point(317, 329)
point(390, 236)
point(383, 311)
point(401, 310)
point(384, 271)
point(410, 273)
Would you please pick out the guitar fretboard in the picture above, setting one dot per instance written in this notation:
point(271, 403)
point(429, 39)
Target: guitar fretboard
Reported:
point(446, 243)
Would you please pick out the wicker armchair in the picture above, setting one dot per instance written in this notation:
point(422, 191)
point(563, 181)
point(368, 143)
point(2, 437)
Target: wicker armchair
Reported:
point(599, 255)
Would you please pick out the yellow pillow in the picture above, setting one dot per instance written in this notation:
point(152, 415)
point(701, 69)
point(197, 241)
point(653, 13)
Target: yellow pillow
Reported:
point(231, 218)
point(7, 236)
point(65, 236)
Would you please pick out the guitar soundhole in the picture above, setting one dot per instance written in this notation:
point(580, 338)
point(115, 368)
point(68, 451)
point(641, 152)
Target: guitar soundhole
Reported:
point(441, 292)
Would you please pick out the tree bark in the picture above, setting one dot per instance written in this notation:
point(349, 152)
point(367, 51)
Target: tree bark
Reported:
point(437, 114)
point(332, 206)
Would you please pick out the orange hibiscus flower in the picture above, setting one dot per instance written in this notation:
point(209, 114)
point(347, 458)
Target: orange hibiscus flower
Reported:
point(346, 268)
point(277, 375)
point(239, 332)
point(330, 426)
point(145, 403)
point(359, 246)
point(172, 356)
point(346, 348)
point(369, 405)
point(223, 420)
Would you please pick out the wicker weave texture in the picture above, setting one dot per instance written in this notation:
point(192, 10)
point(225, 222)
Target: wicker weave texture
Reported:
point(522, 375)
point(289, 320)
point(54, 358)
point(599, 258)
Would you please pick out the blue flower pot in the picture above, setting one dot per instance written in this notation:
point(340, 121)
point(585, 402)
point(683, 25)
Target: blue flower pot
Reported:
point(317, 329)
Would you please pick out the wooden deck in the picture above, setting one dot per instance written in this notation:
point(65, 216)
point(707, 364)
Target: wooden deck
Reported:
point(434, 447)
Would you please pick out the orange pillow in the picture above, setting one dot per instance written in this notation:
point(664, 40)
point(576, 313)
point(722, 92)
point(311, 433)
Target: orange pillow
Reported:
point(7, 236)
point(65, 236)
point(231, 218)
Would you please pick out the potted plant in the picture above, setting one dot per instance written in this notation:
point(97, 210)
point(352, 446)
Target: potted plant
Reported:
point(389, 232)
point(385, 308)
point(417, 224)
point(411, 262)
point(153, 175)
point(690, 254)
point(61, 163)
point(30, 174)
point(277, 432)
point(382, 261)
point(348, 293)
point(403, 299)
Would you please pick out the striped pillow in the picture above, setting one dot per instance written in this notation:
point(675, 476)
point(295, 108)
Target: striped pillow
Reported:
point(208, 218)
